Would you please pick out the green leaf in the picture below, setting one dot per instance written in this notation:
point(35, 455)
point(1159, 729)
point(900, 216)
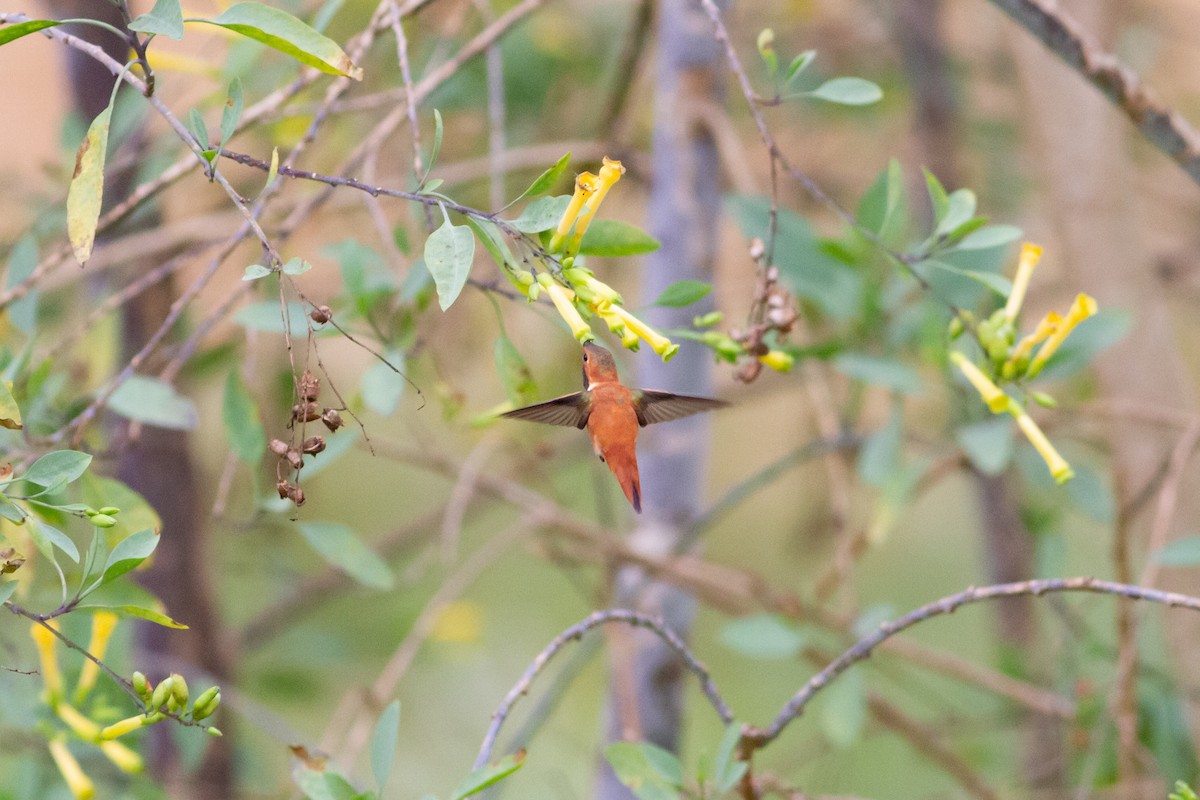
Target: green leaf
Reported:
point(165, 19)
point(997, 283)
point(128, 554)
point(11, 511)
point(879, 457)
point(338, 545)
point(486, 776)
point(633, 768)
point(728, 769)
point(323, 784)
point(938, 198)
point(664, 762)
point(243, 428)
point(763, 636)
point(542, 214)
point(683, 293)
point(449, 252)
point(231, 113)
point(383, 386)
point(988, 444)
point(439, 130)
point(47, 537)
point(844, 708)
point(848, 91)
point(139, 612)
point(296, 266)
point(544, 182)
point(611, 237)
point(9, 33)
point(10, 413)
point(58, 467)
point(989, 236)
point(198, 128)
point(383, 743)
point(6, 590)
point(515, 376)
point(86, 192)
point(256, 271)
point(960, 208)
point(280, 30)
point(1183, 552)
point(153, 402)
point(798, 65)
point(885, 372)
point(883, 208)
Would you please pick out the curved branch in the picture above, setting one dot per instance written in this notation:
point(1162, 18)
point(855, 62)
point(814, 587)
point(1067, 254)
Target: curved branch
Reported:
point(1066, 38)
point(755, 738)
point(576, 632)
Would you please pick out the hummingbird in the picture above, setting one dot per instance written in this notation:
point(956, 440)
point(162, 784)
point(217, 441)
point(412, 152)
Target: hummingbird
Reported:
point(612, 414)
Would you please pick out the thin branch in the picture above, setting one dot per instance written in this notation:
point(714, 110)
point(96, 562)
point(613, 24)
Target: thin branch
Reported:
point(575, 633)
point(1067, 39)
point(758, 737)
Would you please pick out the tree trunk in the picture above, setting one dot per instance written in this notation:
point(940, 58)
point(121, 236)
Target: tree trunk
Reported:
point(683, 215)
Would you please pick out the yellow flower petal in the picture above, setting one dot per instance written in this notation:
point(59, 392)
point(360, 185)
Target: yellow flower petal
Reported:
point(1083, 307)
point(995, 399)
point(458, 622)
point(658, 343)
point(1031, 254)
point(51, 675)
point(585, 185)
point(1059, 467)
point(103, 625)
point(562, 298)
point(125, 759)
point(778, 360)
point(78, 782)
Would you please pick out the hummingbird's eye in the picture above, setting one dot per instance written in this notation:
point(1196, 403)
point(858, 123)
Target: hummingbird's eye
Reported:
point(585, 356)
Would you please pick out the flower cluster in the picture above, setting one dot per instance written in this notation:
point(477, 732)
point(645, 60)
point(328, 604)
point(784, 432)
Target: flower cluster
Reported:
point(579, 295)
point(171, 694)
point(1012, 360)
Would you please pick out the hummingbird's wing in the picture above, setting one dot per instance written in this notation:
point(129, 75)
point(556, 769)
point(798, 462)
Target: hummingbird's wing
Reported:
point(571, 410)
point(655, 406)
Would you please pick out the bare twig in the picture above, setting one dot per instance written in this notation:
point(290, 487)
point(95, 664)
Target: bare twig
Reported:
point(1065, 37)
point(759, 737)
point(576, 632)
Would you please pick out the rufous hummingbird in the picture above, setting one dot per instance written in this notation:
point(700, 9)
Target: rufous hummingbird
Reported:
point(612, 413)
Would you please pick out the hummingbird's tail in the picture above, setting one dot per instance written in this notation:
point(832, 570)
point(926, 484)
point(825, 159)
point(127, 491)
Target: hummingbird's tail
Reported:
point(626, 472)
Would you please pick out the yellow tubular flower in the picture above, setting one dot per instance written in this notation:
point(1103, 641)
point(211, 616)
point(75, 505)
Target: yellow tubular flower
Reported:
point(778, 360)
point(610, 173)
point(1083, 307)
point(566, 309)
point(125, 759)
point(1044, 329)
point(78, 782)
point(1031, 254)
point(585, 185)
point(995, 399)
point(51, 675)
point(87, 729)
point(103, 625)
point(127, 725)
point(1059, 468)
point(659, 343)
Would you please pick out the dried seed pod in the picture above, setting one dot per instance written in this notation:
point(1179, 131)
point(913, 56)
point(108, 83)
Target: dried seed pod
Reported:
point(310, 387)
point(278, 447)
point(313, 445)
point(294, 459)
point(332, 419)
point(757, 248)
point(297, 495)
point(321, 315)
point(285, 489)
point(306, 412)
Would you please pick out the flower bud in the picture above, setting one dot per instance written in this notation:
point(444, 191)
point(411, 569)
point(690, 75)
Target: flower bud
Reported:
point(103, 521)
point(161, 693)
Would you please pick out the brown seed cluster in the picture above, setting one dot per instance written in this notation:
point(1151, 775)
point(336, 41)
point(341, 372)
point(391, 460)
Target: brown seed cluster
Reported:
point(309, 409)
point(771, 310)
